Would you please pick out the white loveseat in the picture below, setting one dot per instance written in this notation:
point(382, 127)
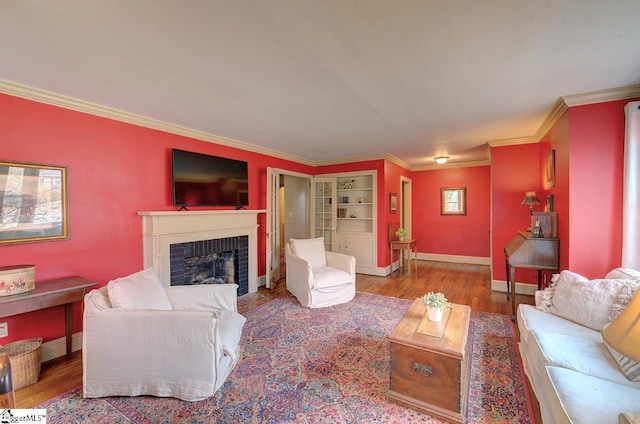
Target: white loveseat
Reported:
point(141, 338)
point(574, 376)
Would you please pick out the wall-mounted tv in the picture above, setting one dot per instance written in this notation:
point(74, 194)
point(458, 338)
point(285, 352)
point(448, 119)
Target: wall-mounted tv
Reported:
point(206, 180)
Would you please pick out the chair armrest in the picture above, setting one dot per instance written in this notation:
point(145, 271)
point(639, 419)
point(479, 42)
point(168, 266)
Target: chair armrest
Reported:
point(341, 261)
point(204, 297)
point(298, 272)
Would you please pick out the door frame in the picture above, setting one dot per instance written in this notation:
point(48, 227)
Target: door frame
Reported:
point(273, 267)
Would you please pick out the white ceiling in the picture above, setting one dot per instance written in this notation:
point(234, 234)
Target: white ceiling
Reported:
point(324, 80)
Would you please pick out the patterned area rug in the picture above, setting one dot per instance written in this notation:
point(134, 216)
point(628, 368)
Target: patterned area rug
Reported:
point(327, 365)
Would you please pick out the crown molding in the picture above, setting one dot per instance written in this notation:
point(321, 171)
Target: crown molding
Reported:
point(560, 107)
point(42, 96)
point(452, 165)
point(600, 96)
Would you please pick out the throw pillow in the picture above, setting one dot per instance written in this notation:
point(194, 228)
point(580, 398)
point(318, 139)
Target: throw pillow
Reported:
point(586, 302)
point(625, 294)
point(142, 290)
point(628, 366)
point(544, 299)
point(311, 250)
point(623, 274)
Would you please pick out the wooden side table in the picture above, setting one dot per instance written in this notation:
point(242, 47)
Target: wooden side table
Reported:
point(430, 361)
point(63, 291)
point(411, 245)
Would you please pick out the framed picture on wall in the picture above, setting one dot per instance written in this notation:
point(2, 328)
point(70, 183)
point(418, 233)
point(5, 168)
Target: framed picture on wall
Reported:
point(551, 169)
point(393, 202)
point(453, 201)
point(34, 203)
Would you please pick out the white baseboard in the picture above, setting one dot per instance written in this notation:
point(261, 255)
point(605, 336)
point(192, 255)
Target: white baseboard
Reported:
point(473, 260)
point(521, 288)
point(57, 347)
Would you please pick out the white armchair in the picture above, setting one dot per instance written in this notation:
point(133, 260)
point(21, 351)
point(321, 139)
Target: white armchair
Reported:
point(177, 341)
point(318, 278)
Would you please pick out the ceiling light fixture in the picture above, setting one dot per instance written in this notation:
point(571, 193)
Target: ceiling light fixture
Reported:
point(441, 160)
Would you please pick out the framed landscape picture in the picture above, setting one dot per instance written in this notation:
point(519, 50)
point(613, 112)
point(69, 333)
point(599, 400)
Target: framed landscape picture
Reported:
point(453, 201)
point(34, 203)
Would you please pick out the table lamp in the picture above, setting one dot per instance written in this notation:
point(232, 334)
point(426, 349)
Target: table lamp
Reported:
point(530, 199)
point(623, 334)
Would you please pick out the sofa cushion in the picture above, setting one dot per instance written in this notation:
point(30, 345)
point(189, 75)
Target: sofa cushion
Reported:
point(585, 356)
point(529, 319)
point(141, 290)
point(311, 250)
point(586, 302)
point(326, 277)
point(587, 399)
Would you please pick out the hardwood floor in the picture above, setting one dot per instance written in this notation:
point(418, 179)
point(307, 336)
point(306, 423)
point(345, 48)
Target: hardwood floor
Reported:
point(461, 283)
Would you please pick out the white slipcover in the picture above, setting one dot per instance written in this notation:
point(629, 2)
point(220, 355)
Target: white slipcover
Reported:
point(186, 353)
point(320, 286)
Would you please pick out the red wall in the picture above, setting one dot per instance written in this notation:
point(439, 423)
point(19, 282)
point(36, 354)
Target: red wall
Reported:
point(463, 235)
point(514, 171)
point(595, 187)
point(114, 170)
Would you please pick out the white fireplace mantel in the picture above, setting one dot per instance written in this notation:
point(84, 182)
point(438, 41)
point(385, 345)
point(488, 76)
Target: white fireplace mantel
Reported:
point(161, 229)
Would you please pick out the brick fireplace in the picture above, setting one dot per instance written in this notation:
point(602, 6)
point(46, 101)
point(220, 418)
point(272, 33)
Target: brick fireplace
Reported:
point(202, 247)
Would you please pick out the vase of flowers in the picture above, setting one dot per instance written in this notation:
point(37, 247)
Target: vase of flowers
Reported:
point(436, 304)
point(401, 233)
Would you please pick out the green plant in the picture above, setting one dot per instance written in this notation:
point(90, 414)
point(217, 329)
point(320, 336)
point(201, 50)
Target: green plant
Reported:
point(401, 232)
point(435, 300)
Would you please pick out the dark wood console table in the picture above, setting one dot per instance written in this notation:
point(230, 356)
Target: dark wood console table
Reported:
point(63, 291)
point(525, 251)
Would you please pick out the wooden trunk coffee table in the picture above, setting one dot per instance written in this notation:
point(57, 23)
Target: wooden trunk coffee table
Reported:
point(429, 361)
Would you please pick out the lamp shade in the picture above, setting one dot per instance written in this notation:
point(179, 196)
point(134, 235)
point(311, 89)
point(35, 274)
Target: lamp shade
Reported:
point(623, 334)
point(530, 199)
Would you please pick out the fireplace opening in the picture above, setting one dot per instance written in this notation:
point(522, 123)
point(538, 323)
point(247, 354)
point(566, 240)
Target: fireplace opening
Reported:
point(217, 261)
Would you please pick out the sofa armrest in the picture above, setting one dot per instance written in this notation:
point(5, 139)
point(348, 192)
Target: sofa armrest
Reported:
point(341, 261)
point(204, 297)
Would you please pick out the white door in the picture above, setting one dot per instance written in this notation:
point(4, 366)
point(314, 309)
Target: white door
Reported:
point(323, 210)
point(273, 222)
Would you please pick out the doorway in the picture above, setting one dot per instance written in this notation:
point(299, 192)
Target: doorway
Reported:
point(287, 217)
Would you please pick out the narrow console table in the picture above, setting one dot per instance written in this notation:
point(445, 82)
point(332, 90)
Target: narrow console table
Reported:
point(411, 245)
point(63, 291)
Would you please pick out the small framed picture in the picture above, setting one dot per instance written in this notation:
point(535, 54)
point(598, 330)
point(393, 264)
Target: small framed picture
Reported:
point(393, 202)
point(453, 201)
point(550, 169)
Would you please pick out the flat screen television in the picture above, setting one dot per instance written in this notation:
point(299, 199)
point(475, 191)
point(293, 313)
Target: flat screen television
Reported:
point(206, 180)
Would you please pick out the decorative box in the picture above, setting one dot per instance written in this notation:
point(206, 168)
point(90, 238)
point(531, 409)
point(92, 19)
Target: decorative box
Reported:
point(17, 279)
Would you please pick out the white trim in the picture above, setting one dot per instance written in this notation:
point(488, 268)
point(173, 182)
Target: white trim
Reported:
point(561, 105)
point(42, 96)
point(601, 96)
point(57, 348)
point(452, 165)
point(521, 288)
point(473, 260)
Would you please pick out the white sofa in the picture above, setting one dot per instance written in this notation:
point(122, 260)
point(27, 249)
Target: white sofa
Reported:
point(573, 375)
point(141, 338)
